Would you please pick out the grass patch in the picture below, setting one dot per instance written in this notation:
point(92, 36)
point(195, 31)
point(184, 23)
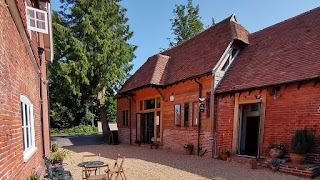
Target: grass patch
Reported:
point(81, 129)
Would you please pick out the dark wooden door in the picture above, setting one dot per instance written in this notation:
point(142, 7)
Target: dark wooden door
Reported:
point(252, 135)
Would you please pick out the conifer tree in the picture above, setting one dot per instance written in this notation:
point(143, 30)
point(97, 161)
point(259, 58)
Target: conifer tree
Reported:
point(92, 54)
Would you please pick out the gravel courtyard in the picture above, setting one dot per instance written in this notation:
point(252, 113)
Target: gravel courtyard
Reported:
point(144, 163)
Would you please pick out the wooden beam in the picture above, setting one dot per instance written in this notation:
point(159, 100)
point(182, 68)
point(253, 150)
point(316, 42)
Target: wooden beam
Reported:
point(161, 94)
point(235, 123)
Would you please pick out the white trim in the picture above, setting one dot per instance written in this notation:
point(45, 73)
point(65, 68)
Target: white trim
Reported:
point(50, 30)
point(36, 20)
point(221, 58)
point(233, 17)
point(27, 121)
point(217, 70)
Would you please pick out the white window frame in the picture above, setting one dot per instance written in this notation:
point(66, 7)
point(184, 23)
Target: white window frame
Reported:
point(32, 28)
point(29, 147)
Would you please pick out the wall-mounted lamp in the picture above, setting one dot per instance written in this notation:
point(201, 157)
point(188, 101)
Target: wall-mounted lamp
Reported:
point(258, 96)
point(172, 97)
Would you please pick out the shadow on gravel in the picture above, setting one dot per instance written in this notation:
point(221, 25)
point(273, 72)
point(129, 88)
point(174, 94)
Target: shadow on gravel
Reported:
point(77, 140)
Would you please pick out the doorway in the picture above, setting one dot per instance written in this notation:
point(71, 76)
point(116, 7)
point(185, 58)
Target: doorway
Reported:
point(249, 129)
point(145, 127)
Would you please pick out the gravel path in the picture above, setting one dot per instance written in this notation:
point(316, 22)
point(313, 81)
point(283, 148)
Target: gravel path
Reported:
point(143, 163)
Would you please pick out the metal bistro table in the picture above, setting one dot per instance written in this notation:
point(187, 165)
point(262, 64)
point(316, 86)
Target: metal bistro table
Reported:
point(90, 163)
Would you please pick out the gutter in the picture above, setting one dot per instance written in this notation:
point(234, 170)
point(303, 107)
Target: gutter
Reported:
point(199, 122)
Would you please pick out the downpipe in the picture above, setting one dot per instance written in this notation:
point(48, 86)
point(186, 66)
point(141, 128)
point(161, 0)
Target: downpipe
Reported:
point(199, 122)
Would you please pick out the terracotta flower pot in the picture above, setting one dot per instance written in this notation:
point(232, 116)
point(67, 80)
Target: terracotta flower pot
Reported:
point(276, 153)
point(224, 156)
point(297, 158)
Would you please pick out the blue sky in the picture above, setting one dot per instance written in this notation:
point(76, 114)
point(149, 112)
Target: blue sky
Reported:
point(150, 19)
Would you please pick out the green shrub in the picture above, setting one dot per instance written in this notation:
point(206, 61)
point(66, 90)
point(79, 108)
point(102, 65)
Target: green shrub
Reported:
point(81, 129)
point(301, 141)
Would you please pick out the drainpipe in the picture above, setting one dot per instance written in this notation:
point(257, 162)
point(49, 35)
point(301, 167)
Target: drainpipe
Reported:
point(130, 120)
point(199, 122)
point(40, 51)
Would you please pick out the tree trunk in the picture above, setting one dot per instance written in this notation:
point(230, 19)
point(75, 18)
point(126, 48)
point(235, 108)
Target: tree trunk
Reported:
point(104, 122)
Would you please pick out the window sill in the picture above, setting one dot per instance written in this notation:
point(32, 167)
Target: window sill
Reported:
point(28, 154)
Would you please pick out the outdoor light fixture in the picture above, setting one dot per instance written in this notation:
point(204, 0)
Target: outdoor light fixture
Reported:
point(172, 97)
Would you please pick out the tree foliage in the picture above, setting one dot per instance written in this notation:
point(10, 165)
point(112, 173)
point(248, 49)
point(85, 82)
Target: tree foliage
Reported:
point(186, 23)
point(92, 57)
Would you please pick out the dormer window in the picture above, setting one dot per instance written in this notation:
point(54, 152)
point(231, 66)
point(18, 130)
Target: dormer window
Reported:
point(37, 20)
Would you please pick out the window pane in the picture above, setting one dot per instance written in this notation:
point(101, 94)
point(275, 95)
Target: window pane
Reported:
point(186, 114)
point(26, 116)
point(32, 23)
point(158, 102)
point(226, 64)
point(177, 114)
point(22, 114)
point(123, 118)
point(158, 125)
point(41, 25)
point(40, 16)
point(141, 105)
point(126, 118)
point(30, 13)
point(149, 104)
point(195, 114)
point(27, 140)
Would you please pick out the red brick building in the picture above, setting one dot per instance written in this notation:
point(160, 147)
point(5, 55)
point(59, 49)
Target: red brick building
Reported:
point(25, 48)
point(251, 90)
point(160, 102)
point(272, 89)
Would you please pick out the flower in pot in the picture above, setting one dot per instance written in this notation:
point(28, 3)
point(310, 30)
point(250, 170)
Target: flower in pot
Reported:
point(300, 145)
point(224, 154)
point(276, 150)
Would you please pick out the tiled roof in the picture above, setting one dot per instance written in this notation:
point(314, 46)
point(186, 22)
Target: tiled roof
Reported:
point(192, 58)
point(285, 52)
point(151, 72)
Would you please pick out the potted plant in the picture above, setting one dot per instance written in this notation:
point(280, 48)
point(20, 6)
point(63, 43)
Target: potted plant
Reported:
point(224, 154)
point(59, 156)
point(300, 145)
point(188, 148)
point(276, 150)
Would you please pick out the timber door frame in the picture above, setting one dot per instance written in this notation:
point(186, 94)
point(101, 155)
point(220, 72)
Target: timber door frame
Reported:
point(138, 125)
point(249, 98)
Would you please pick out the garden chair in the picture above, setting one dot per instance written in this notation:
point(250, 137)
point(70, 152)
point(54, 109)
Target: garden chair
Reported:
point(57, 173)
point(117, 168)
point(91, 172)
point(89, 157)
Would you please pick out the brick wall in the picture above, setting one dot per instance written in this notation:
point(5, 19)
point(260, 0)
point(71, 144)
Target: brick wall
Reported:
point(224, 119)
point(174, 137)
point(292, 109)
point(17, 76)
